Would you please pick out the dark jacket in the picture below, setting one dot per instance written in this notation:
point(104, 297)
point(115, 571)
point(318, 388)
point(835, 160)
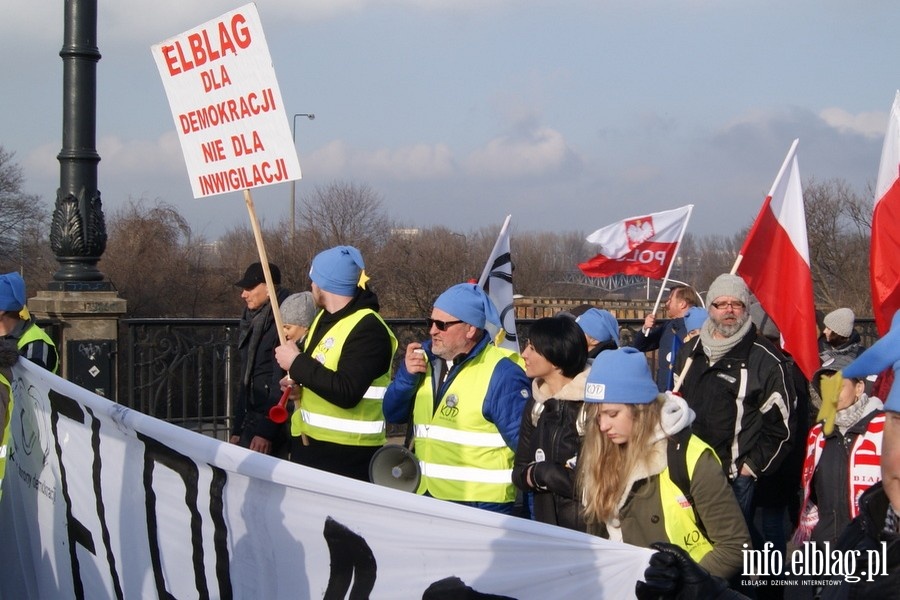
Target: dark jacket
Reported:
point(549, 443)
point(866, 533)
point(37, 351)
point(831, 483)
point(259, 389)
point(743, 403)
point(666, 338)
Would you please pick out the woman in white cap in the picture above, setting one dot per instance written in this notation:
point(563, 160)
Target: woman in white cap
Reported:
point(644, 478)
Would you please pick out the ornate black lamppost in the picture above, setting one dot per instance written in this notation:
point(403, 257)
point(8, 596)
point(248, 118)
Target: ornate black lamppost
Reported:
point(78, 230)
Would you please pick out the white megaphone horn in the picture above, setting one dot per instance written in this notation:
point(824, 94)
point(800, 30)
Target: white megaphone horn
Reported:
point(395, 466)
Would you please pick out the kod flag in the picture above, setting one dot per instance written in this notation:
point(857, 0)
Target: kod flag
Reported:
point(496, 279)
point(644, 245)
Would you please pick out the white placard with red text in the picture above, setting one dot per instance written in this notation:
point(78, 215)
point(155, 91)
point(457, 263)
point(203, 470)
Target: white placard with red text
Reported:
point(227, 106)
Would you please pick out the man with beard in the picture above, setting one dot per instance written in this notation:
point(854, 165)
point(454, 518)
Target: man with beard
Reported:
point(343, 366)
point(738, 384)
point(259, 389)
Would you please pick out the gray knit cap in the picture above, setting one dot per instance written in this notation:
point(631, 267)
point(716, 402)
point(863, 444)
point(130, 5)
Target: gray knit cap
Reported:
point(298, 309)
point(840, 321)
point(727, 284)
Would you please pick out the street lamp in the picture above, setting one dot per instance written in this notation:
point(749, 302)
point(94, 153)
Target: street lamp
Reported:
point(309, 116)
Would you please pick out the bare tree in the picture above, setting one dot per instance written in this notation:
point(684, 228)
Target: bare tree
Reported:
point(159, 267)
point(23, 238)
point(345, 213)
point(838, 223)
point(415, 266)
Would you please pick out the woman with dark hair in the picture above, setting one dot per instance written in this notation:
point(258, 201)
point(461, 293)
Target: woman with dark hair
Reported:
point(555, 358)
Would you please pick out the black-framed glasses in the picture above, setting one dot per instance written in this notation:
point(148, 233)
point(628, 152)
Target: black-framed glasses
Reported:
point(441, 325)
point(733, 305)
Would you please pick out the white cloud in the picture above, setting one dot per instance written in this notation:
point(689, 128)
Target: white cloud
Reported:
point(541, 152)
point(407, 163)
point(870, 124)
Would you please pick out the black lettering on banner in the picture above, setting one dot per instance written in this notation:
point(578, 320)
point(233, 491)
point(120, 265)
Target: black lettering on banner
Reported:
point(187, 470)
point(78, 534)
point(351, 560)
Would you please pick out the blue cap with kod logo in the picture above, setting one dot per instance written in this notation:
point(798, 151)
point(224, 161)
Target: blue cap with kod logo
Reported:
point(620, 377)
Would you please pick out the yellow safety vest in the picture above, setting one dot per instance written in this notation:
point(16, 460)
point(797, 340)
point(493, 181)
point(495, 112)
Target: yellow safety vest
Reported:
point(362, 425)
point(461, 454)
point(34, 333)
point(678, 514)
point(7, 419)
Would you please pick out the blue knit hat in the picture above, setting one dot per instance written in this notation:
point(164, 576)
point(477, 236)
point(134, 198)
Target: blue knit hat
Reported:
point(883, 353)
point(694, 318)
point(12, 292)
point(337, 270)
point(468, 303)
point(599, 324)
point(620, 376)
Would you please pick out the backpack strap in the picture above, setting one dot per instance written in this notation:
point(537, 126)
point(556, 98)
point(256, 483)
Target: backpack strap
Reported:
point(676, 458)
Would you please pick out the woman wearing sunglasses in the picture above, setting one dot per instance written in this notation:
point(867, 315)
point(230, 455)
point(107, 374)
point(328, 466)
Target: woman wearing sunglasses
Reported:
point(555, 358)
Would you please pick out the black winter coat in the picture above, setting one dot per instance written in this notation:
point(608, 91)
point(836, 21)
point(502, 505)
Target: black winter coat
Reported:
point(549, 449)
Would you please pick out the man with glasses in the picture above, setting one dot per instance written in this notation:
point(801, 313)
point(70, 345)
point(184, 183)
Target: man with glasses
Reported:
point(738, 385)
point(667, 336)
point(464, 398)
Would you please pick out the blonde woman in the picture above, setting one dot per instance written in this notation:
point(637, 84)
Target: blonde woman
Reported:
point(641, 475)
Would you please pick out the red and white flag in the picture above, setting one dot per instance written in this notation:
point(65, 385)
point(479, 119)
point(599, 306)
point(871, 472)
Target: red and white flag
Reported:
point(884, 255)
point(642, 246)
point(774, 262)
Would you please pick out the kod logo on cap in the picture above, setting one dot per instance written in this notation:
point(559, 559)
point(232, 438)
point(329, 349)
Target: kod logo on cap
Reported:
point(595, 391)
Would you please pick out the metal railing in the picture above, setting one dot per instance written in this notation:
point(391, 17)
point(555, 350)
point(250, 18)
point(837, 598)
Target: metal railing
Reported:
point(187, 372)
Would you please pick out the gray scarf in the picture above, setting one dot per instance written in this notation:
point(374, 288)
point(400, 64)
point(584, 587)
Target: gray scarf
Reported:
point(716, 348)
point(853, 414)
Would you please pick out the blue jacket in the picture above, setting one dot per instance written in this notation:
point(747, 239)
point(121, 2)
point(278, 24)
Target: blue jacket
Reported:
point(666, 337)
point(508, 391)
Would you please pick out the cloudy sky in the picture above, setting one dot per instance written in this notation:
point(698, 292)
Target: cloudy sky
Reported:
point(568, 115)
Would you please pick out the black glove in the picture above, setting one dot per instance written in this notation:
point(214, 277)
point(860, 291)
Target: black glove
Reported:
point(674, 574)
point(663, 577)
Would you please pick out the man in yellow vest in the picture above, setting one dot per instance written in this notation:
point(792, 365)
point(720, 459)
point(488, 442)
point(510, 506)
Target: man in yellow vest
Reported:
point(465, 397)
point(17, 325)
point(8, 357)
point(343, 366)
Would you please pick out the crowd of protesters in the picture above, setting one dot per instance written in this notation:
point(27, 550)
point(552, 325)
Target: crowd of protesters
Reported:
point(725, 449)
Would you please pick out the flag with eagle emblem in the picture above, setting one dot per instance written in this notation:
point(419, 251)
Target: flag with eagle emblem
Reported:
point(643, 246)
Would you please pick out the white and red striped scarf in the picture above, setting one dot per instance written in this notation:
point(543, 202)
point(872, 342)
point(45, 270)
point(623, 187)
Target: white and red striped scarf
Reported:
point(864, 467)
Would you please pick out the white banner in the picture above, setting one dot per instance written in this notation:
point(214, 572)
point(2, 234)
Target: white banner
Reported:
point(227, 106)
point(100, 501)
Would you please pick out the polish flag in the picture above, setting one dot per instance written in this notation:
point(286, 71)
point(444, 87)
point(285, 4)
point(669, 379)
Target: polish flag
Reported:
point(774, 262)
point(642, 246)
point(884, 254)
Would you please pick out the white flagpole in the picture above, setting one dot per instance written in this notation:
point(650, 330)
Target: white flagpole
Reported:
point(662, 286)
